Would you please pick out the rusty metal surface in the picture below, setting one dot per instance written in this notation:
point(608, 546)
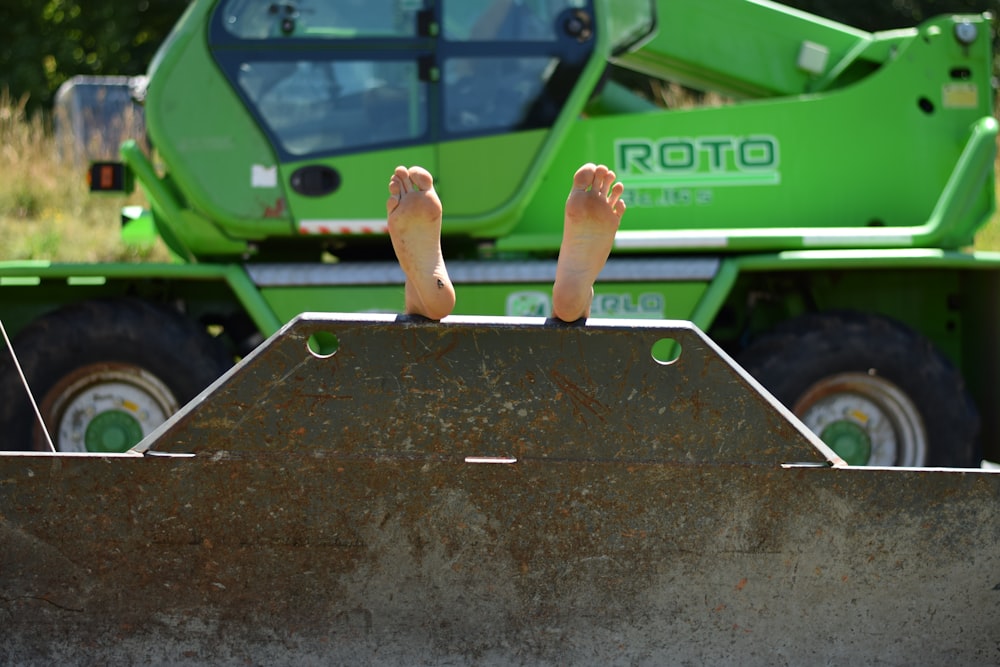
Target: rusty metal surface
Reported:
point(386, 551)
point(492, 387)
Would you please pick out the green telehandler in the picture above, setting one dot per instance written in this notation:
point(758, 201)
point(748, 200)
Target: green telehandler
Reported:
point(817, 226)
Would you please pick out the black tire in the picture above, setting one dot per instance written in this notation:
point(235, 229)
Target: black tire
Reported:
point(856, 378)
point(104, 374)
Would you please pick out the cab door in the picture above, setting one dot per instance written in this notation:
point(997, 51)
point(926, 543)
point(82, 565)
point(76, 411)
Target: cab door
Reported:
point(345, 90)
point(342, 90)
point(507, 70)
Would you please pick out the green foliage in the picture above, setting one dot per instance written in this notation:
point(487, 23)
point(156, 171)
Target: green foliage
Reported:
point(46, 210)
point(43, 43)
point(885, 15)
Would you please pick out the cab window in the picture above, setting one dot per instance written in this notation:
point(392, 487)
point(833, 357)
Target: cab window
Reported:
point(316, 106)
point(312, 19)
point(505, 20)
point(337, 76)
point(509, 63)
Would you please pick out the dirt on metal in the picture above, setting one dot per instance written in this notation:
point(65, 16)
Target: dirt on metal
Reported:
point(491, 492)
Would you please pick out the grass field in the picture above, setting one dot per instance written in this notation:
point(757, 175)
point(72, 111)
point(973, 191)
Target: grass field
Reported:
point(46, 212)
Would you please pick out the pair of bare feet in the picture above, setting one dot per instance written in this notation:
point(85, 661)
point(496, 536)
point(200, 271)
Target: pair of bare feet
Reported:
point(594, 210)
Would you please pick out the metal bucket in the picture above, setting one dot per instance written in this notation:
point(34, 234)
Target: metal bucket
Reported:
point(372, 490)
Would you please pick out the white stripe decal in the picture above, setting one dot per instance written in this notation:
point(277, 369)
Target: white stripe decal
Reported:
point(669, 239)
point(859, 240)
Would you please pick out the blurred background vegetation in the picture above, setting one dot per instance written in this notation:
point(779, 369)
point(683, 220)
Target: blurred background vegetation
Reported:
point(45, 42)
point(45, 210)
point(888, 14)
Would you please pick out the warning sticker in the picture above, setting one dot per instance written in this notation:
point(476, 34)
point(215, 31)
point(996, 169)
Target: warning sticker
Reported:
point(960, 96)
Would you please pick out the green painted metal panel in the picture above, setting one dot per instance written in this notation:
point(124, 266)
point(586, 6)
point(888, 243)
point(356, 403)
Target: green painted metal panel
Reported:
point(785, 172)
point(730, 46)
point(645, 288)
point(357, 206)
point(478, 184)
point(57, 284)
point(763, 175)
point(215, 152)
point(625, 300)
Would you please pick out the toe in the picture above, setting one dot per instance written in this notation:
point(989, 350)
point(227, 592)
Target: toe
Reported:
point(619, 207)
point(600, 176)
point(584, 177)
point(395, 186)
point(401, 179)
point(421, 179)
point(616, 192)
point(395, 194)
point(609, 181)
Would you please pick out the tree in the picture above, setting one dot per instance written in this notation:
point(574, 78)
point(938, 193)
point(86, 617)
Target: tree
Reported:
point(873, 16)
point(42, 44)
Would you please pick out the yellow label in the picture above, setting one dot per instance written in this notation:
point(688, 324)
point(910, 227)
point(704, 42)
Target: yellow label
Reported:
point(960, 96)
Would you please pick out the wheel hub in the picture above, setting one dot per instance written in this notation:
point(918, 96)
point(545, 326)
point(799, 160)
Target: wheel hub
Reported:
point(865, 419)
point(112, 431)
point(106, 408)
point(849, 440)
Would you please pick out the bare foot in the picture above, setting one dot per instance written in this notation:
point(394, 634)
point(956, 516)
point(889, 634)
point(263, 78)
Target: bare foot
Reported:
point(594, 210)
point(414, 215)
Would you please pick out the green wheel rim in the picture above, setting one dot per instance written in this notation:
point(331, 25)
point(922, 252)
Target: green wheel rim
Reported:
point(849, 440)
point(112, 432)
